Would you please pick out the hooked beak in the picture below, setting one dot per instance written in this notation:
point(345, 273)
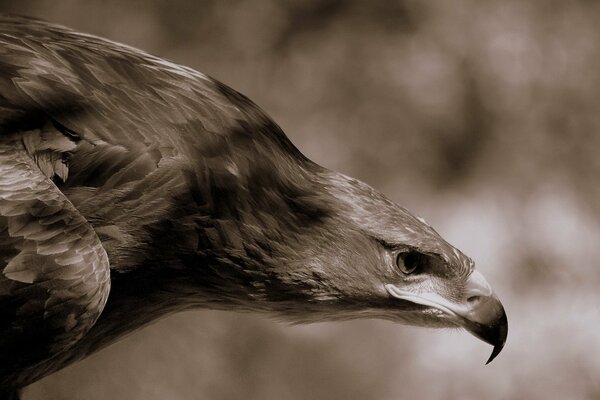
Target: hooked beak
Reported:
point(481, 313)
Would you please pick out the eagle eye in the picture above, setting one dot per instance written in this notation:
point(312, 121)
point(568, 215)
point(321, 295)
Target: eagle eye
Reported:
point(408, 261)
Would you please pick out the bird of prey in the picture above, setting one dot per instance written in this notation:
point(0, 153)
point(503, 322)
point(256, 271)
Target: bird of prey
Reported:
point(132, 187)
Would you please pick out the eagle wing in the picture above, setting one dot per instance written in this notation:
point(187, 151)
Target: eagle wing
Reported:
point(54, 279)
point(54, 272)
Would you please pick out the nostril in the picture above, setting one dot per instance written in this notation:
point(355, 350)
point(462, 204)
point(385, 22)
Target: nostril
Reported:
point(473, 299)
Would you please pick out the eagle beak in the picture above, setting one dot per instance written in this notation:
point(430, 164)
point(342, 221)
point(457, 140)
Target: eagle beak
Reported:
point(480, 313)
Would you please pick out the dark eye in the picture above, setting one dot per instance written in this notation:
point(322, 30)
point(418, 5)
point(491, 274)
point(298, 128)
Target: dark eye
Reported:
point(408, 261)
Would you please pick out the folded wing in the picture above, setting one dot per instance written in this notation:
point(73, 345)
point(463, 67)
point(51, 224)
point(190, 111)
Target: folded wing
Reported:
point(54, 273)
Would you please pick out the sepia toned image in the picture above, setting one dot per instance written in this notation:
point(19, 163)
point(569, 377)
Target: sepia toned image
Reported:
point(319, 199)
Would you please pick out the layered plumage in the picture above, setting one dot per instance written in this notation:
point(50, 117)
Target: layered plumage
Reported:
point(116, 162)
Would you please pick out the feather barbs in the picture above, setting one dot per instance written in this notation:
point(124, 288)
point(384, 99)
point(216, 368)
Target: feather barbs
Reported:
point(49, 148)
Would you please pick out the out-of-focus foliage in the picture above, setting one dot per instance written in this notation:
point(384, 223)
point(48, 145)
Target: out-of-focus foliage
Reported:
point(480, 115)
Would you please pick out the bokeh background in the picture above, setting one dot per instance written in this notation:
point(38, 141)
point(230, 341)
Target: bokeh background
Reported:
point(480, 116)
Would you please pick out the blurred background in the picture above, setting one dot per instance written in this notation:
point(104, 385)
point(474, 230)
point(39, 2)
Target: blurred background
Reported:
point(481, 116)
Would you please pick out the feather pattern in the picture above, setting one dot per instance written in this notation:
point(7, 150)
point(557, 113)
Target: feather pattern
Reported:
point(54, 278)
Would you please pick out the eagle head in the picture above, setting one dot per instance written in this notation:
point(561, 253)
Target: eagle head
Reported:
point(324, 246)
point(382, 261)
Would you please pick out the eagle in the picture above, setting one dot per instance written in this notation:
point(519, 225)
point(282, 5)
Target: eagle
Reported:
point(132, 187)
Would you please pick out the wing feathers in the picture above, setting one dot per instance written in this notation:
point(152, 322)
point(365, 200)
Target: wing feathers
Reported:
point(48, 147)
point(54, 278)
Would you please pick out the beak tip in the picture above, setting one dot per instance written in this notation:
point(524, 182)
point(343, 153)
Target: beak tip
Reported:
point(502, 332)
point(495, 352)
